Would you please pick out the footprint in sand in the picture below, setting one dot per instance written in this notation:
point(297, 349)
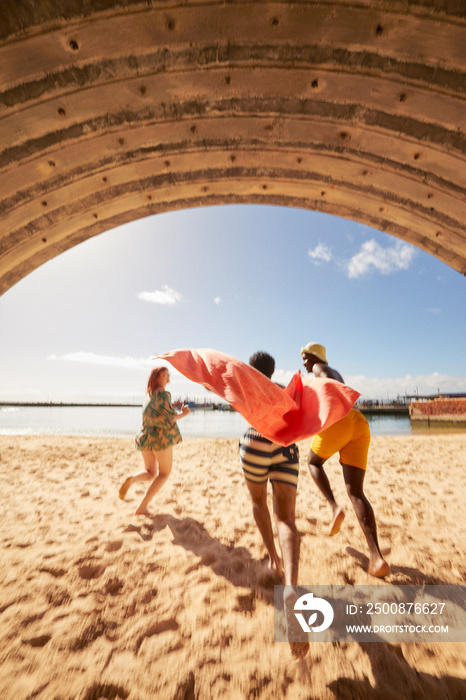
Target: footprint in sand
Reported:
point(257, 684)
point(57, 597)
point(32, 618)
point(148, 596)
point(91, 571)
point(114, 546)
point(106, 690)
point(113, 587)
point(158, 628)
point(89, 634)
point(56, 573)
point(40, 641)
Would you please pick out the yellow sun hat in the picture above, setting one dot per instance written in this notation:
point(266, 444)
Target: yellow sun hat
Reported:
point(316, 350)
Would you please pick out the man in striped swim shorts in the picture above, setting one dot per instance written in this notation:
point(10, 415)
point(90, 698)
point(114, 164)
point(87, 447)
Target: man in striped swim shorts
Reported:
point(263, 461)
point(351, 437)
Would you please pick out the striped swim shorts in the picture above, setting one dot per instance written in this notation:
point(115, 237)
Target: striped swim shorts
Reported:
point(262, 459)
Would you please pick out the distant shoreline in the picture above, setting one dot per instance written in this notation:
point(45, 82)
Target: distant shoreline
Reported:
point(55, 404)
point(369, 410)
point(69, 404)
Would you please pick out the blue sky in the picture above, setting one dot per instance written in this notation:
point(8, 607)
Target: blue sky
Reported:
point(242, 278)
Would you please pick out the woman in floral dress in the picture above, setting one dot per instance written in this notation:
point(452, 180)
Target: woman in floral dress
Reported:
point(156, 439)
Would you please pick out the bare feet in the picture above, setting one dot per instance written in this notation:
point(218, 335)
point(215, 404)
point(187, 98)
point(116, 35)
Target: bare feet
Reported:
point(338, 517)
point(293, 628)
point(124, 488)
point(378, 567)
point(144, 511)
point(270, 578)
point(274, 569)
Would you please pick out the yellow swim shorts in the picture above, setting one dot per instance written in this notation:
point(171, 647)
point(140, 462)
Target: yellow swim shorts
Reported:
point(350, 436)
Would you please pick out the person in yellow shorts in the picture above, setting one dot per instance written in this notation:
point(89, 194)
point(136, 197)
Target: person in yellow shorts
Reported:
point(351, 437)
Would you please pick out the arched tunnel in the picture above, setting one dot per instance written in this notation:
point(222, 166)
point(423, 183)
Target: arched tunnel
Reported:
point(113, 110)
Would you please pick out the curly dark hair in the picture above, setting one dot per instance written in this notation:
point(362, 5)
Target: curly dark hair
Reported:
point(263, 362)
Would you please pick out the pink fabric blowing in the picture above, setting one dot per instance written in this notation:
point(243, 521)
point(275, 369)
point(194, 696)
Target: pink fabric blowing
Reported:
point(304, 408)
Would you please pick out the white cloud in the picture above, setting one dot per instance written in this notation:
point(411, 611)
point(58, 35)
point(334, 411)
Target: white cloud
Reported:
point(115, 394)
point(321, 253)
point(6, 394)
point(92, 358)
point(385, 260)
point(423, 384)
point(217, 301)
point(178, 381)
point(382, 388)
point(166, 296)
point(282, 376)
point(435, 311)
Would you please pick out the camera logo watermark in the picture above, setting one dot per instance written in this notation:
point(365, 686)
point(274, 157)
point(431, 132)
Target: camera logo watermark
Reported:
point(308, 603)
point(379, 613)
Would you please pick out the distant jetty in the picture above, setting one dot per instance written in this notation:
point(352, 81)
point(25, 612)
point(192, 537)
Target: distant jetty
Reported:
point(374, 408)
point(367, 407)
point(64, 404)
point(439, 410)
point(210, 406)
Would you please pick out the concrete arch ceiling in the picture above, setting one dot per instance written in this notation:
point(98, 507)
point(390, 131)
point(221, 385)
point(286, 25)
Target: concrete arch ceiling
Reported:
point(112, 110)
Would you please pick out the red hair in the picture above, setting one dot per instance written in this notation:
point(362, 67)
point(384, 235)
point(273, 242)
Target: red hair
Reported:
point(154, 379)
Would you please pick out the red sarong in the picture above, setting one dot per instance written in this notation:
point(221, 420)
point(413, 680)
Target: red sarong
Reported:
point(305, 407)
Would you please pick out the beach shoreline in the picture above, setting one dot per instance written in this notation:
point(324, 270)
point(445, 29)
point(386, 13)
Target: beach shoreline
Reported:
point(97, 602)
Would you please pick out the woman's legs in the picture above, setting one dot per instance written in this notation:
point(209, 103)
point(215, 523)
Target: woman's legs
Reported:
point(165, 462)
point(150, 464)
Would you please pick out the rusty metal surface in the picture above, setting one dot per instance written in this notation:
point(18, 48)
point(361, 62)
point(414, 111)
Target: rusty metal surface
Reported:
point(112, 111)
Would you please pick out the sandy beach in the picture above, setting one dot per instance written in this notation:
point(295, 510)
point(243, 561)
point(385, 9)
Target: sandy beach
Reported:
point(96, 602)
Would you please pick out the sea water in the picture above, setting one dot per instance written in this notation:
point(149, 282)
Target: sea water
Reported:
point(125, 421)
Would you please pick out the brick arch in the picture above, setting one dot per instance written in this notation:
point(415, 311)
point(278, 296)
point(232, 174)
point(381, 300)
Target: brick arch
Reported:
point(112, 110)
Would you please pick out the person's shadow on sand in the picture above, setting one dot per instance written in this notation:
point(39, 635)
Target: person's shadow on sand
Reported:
point(396, 678)
point(399, 575)
point(233, 563)
point(390, 669)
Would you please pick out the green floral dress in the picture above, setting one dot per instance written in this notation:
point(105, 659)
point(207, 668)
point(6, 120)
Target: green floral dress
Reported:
point(158, 434)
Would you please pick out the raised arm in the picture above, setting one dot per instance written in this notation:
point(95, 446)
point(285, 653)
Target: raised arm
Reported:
point(184, 412)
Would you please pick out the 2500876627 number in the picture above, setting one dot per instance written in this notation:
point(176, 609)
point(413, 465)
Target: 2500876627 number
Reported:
point(404, 608)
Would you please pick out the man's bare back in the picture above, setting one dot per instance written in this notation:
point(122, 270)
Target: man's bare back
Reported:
point(320, 369)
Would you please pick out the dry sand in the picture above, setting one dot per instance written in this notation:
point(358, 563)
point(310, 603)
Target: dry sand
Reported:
point(97, 602)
